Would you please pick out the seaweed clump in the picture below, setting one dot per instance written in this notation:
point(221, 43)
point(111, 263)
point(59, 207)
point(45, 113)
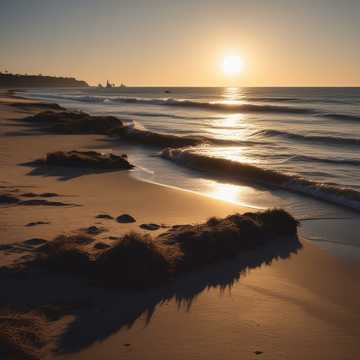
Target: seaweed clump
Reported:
point(86, 159)
point(67, 122)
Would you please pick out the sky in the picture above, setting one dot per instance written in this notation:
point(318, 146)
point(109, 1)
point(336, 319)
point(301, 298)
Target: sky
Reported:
point(184, 42)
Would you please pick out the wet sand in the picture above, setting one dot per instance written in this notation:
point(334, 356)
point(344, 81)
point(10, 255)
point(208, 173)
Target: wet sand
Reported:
point(303, 306)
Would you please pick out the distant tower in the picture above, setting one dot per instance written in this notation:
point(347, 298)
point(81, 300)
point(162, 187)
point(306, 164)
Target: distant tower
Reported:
point(108, 84)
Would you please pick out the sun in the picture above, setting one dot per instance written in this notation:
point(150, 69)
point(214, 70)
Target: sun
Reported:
point(232, 65)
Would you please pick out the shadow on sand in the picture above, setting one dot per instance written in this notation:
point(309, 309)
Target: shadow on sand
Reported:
point(100, 312)
point(61, 172)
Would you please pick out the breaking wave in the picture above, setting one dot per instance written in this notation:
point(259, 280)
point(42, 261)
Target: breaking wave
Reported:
point(215, 105)
point(252, 105)
point(237, 171)
point(146, 137)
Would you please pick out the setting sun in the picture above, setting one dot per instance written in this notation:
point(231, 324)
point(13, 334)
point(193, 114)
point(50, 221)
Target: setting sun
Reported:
point(196, 162)
point(232, 65)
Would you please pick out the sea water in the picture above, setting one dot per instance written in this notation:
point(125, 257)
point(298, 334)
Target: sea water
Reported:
point(297, 148)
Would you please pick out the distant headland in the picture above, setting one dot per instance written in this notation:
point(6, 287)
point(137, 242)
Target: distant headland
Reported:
point(8, 80)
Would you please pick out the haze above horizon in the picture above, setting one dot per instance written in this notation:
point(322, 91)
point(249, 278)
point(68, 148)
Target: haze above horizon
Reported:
point(184, 43)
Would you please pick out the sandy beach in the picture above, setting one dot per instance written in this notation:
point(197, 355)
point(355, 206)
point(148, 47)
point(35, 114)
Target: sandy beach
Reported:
point(300, 304)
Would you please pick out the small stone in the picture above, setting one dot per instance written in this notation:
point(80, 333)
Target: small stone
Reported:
point(104, 216)
point(94, 230)
point(125, 218)
point(37, 223)
point(150, 226)
point(258, 352)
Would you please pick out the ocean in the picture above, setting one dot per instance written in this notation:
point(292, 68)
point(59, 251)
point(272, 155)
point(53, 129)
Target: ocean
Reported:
point(296, 148)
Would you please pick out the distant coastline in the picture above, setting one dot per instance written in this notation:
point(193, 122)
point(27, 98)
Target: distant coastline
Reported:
point(8, 80)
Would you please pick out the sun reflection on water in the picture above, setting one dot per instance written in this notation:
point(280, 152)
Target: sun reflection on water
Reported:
point(233, 153)
point(230, 127)
point(233, 120)
point(233, 93)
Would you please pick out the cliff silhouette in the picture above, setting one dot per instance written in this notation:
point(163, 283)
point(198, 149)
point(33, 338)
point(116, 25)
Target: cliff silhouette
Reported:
point(8, 80)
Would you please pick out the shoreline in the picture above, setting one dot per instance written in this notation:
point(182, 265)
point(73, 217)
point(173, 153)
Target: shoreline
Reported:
point(309, 300)
point(245, 194)
point(178, 150)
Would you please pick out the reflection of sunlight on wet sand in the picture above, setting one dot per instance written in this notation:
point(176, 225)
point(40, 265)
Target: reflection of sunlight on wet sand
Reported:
point(226, 192)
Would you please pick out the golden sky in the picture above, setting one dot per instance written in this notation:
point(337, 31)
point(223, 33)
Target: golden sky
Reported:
point(182, 42)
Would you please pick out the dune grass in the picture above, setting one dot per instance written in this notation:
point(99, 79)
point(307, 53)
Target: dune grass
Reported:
point(66, 254)
point(21, 336)
point(135, 261)
point(138, 260)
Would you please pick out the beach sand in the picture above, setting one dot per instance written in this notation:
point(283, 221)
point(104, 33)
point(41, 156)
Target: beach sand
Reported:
point(302, 306)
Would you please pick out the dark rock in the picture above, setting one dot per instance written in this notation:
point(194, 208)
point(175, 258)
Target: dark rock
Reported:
point(39, 202)
point(258, 352)
point(87, 159)
point(94, 230)
point(125, 218)
point(104, 216)
point(37, 223)
point(101, 246)
point(75, 123)
point(46, 195)
point(150, 226)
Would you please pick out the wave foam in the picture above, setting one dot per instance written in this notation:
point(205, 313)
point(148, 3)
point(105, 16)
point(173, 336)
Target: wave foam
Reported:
point(238, 171)
point(253, 104)
point(215, 105)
